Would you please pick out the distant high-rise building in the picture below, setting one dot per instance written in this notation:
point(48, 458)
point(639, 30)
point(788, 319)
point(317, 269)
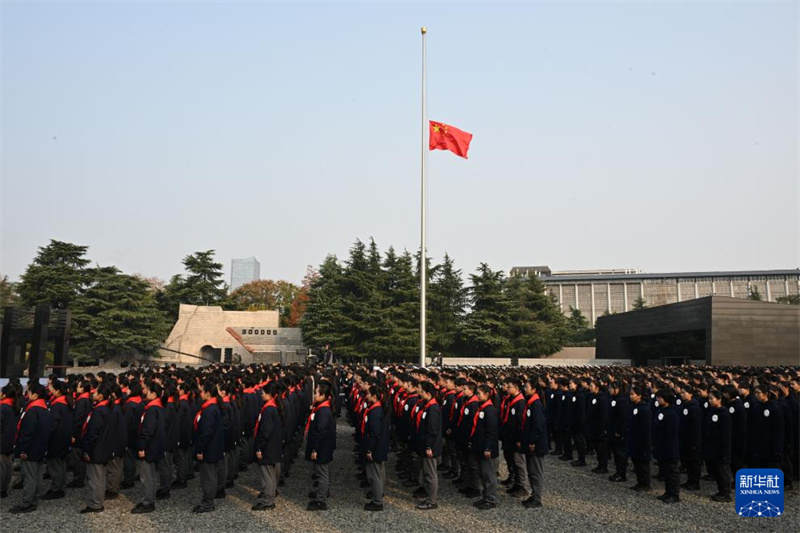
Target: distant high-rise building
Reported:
point(244, 271)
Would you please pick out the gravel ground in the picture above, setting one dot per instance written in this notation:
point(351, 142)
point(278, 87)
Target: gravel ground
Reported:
point(574, 500)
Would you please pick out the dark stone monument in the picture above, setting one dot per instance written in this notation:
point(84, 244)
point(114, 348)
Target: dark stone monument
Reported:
point(41, 327)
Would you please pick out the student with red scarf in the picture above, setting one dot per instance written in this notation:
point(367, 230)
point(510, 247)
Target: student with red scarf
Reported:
point(485, 445)
point(429, 428)
point(268, 445)
point(209, 445)
point(533, 440)
point(150, 445)
point(8, 430)
point(97, 436)
point(320, 444)
point(60, 439)
point(80, 411)
point(30, 446)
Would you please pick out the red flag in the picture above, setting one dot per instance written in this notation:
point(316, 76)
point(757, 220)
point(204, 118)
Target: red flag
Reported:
point(444, 137)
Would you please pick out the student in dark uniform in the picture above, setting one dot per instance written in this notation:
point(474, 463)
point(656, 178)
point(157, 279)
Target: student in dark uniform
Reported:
point(60, 439)
point(187, 409)
point(666, 448)
point(268, 446)
point(8, 430)
point(563, 413)
point(320, 445)
point(597, 410)
point(738, 413)
point(484, 443)
point(533, 439)
point(619, 409)
point(577, 421)
point(375, 430)
point(790, 422)
point(165, 466)
point(132, 409)
point(81, 410)
point(511, 422)
point(717, 432)
point(150, 445)
point(209, 444)
point(33, 430)
point(639, 437)
point(97, 438)
point(470, 473)
point(430, 431)
point(551, 413)
point(690, 429)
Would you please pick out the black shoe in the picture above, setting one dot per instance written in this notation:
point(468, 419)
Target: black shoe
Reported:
point(202, 509)
point(409, 483)
point(162, 495)
point(17, 509)
point(17, 486)
point(530, 503)
point(81, 484)
point(450, 475)
point(690, 486)
point(261, 506)
point(708, 477)
point(723, 498)
point(123, 485)
point(111, 495)
point(641, 488)
point(670, 499)
point(599, 470)
point(484, 505)
point(373, 507)
point(92, 510)
point(508, 481)
point(512, 488)
point(141, 508)
point(4, 494)
point(578, 462)
point(220, 494)
point(469, 492)
point(426, 506)
point(50, 495)
point(179, 485)
point(317, 506)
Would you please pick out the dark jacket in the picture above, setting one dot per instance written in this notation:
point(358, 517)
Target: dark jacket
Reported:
point(430, 427)
point(321, 435)
point(376, 434)
point(208, 438)
point(770, 427)
point(120, 439)
point(34, 429)
point(80, 411)
point(269, 436)
point(665, 435)
point(691, 427)
point(60, 430)
point(738, 429)
point(577, 413)
point(133, 416)
point(534, 430)
point(512, 420)
point(8, 429)
point(639, 437)
point(186, 412)
point(619, 412)
point(717, 435)
point(597, 414)
point(98, 440)
point(171, 427)
point(151, 432)
point(563, 402)
point(485, 435)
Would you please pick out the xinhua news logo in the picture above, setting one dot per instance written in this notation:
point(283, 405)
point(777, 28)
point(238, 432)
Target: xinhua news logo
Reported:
point(759, 492)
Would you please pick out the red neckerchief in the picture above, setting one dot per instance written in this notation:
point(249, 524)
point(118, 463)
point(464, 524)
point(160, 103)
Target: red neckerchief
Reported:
point(36, 403)
point(86, 424)
point(249, 390)
point(200, 412)
point(419, 414)
point(126, 391)
point(326, 403)
point(472, 399)
point(153, 403)
point(405, 402)
point(518, 398)
point(226, 399)
point(7, 401)
point(485, 404)
point(270, 403)
point(528, 404)
point(133, 399)
point(83, 396)
point(184, 397)
point(366, 414)
point(60, 399)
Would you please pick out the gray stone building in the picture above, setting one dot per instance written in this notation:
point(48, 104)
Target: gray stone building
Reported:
point(598, 292)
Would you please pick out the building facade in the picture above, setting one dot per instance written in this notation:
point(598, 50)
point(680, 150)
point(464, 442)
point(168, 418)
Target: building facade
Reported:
point(243, 271)
point(596, 293)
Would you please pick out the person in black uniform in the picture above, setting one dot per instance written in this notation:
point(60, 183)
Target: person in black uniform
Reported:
point(80, 411)
point(533, 439)
point(116, 465)
point(187, 410)
point(431, 443)
point(97, 445)
point(320, 445)
point(209, 445)
point(132, 409)
point(597, 415)
point(150, 445)
point(165, 466)
point(717, 445)
point(563, 415)
point(690, 429)
point(577, 420)
point(375, 431)
point(618, 430)
point(666, 445)
point(33, 430)
point(60, 440)
point(738, 414)
point(639, 438)
point(484, 443)
point(268, 446)
point(8, 431)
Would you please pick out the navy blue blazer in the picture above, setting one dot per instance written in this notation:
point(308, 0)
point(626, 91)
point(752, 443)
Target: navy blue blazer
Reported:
point(376, 435)
point(691, 427)
point(33, 433)
point(98, 442)
point(209, 438)
point(534, 431)
point(8, 429)
point(717, 435)
point(486, 434)
point(151, 433)
point(321, 436)
point(665, 435)
point(639, 438)
point(619, 411)
point(269, 436)
point(597, 414)
point(60, 430)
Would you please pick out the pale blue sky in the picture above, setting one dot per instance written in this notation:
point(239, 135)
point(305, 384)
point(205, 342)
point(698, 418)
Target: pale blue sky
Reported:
point(662, 136)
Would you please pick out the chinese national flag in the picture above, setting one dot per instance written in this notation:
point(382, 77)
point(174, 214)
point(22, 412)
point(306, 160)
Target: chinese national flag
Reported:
point(444, 137)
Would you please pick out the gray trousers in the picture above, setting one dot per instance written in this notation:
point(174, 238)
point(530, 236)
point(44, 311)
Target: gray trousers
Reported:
point(130, 465)
point(6, 470)
point(376, 475)
point(536, 475)
point(79, 465)
point(33, 476)
point(268, 476)
point(452, 452)
point(222, 472)
point(430, 478)
point(323, 481)
point(473, 476)
point(208, 484)
point(57, 466)
point(521, 468)
point(164, 466)
point(95, 485)
point(114, 474)
point(489, 478)
point(150, 482)
point(232, 465)
point(183, 460)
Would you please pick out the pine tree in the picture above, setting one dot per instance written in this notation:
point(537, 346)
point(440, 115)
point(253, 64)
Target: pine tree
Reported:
point(201, 285)
point(579, 332)
point(537, 327)
point(447, 300)
point(322, 322)
point(485, 330)
point(400, 312)
point(56, 276)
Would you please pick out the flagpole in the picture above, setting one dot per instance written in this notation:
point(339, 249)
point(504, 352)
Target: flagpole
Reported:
point(423, 278)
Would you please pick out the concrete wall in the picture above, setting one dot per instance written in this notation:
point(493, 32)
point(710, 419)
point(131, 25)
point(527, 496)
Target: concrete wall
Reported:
point(504, 361)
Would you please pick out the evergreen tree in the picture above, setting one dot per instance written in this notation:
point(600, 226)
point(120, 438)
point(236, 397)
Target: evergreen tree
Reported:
point(447, 300)
point(485, 330)
point(361, 318)
point(639, 304)
point(579, 332)
point(116, 315)
point(8, 295)
point(753, 293)
point(399, 331)
point(201, 285)
point(536, 325)
point(56, 276)
point(322, 322)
